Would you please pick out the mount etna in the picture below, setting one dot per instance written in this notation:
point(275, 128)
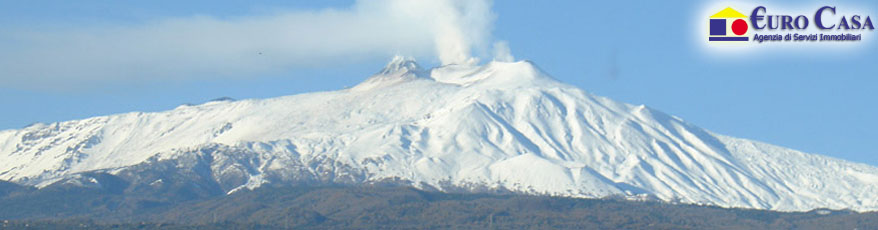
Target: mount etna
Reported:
point(501, 127)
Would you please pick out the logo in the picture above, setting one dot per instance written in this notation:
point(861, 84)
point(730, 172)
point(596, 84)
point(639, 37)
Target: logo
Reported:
point(728, 25)
point(825, 24)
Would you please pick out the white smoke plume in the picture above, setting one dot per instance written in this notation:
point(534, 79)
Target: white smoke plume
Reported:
point(502, 52)
point(204, 46)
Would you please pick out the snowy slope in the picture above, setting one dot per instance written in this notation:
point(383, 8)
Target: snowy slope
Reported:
point(497, 126)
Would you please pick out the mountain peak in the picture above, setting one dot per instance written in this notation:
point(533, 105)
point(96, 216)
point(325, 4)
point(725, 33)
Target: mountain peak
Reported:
point(399, 69)
point(401, 64)
point(493, 73)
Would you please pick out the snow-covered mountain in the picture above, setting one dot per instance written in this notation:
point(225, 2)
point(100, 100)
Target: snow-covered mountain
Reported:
point(501, 126)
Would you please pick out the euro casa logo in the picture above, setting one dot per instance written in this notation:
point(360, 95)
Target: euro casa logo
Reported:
point(825, 24)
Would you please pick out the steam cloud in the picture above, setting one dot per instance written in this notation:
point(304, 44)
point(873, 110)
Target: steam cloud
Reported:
point(209, 47)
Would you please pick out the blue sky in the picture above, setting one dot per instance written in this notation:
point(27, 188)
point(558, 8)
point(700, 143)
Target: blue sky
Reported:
point(814, 100)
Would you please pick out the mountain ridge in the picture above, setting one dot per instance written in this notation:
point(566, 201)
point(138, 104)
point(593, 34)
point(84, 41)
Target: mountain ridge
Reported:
point(502, 125)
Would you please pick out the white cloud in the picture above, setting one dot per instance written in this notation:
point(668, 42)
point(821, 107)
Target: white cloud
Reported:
point(502, 52)
point(206, 46)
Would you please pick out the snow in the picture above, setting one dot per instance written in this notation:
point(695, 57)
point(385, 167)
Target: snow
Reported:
point(253, 182)
point(500, 125)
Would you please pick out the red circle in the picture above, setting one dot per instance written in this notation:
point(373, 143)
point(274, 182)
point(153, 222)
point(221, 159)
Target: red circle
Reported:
point(739, 27)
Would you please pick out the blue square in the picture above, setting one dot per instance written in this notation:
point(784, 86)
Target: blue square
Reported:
point(717, 27)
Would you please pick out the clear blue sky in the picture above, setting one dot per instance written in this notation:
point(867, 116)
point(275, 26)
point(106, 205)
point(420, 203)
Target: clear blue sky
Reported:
point(818, 101)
